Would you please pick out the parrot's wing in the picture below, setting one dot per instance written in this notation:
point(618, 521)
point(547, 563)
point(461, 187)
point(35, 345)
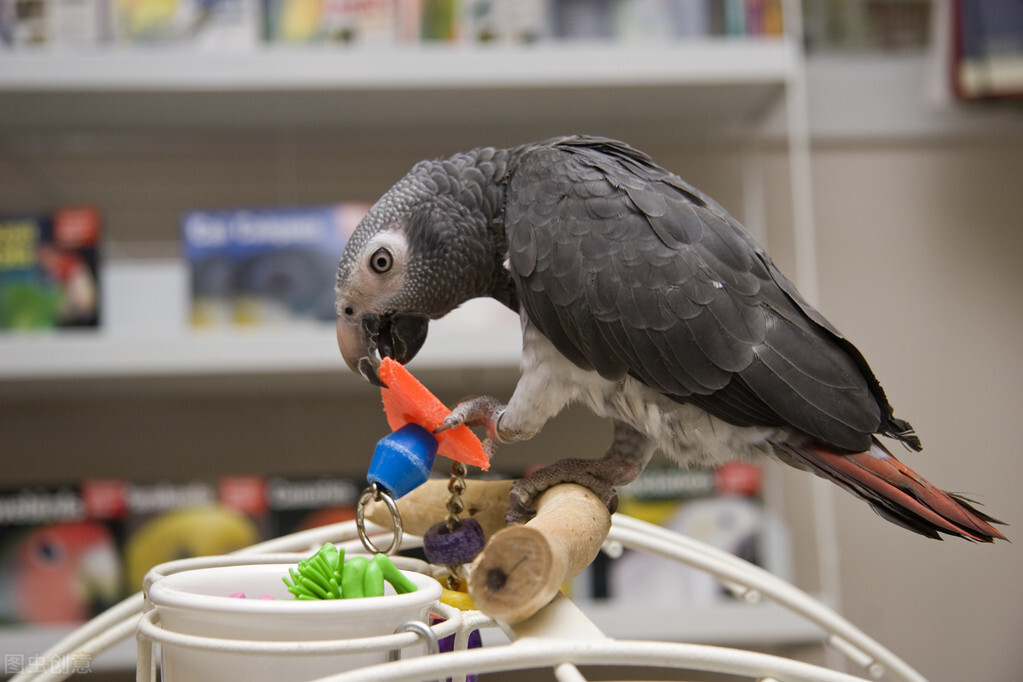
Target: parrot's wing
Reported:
point(630, 271)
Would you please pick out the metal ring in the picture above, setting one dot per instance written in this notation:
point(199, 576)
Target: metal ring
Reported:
point(373, 492)
point(421, 629)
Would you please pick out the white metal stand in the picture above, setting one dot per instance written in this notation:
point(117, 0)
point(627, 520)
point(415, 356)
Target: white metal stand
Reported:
point(559, 636)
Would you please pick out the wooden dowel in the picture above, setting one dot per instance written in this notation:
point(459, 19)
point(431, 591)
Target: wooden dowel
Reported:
point(485, 501)
point(523, 567)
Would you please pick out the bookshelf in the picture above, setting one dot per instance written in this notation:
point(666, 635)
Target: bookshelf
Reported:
point(709, 81)
point(711, 85)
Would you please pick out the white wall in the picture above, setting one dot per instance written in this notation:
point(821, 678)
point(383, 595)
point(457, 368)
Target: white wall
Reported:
point(919, 248)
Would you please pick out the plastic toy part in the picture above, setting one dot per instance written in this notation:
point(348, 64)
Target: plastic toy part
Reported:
point(326, 575)
point(398, 580)
point(448, 644)
point(402, 461)
point(241, 595)
point(445, 546)
point(460, 600)
point(319, 576)
point(408, 401)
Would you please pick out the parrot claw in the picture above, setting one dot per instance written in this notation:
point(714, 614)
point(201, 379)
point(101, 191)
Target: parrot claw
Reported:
point(598, 476)
point(483, 410)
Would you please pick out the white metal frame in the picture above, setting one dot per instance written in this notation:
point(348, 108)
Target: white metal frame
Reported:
point(560, 646)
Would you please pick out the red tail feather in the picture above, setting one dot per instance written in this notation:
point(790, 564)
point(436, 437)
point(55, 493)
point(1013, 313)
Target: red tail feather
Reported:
point(899, 494)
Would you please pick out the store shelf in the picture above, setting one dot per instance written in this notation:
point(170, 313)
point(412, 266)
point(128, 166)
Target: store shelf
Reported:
point(715, 81)
point(21, 647)
point(550, 64)
point(146, 334)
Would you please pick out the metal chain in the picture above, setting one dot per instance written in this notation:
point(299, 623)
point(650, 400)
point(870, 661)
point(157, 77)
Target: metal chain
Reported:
point(456, 486)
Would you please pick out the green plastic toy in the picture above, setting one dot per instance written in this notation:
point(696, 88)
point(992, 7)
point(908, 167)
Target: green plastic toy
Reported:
point(326, 575)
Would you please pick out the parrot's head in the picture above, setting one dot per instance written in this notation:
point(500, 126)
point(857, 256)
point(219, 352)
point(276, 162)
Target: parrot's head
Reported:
point(426, 246)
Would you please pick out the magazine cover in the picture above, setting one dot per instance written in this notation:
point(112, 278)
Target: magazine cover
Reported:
point(49, 269)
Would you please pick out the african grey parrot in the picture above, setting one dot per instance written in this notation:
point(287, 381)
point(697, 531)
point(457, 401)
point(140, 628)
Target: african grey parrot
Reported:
point(641, 298)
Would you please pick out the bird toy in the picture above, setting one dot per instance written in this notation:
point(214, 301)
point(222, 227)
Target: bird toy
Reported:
point(326, 575)
point(402, 461)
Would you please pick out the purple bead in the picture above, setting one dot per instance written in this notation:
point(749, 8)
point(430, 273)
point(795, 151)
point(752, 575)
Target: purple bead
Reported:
point(445, 547)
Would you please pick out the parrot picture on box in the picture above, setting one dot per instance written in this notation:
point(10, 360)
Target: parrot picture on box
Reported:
point(62, 572)
point(641, 298)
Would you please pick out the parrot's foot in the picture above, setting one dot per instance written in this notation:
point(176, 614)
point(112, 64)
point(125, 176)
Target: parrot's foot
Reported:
point(600, 476)
point(483, 411)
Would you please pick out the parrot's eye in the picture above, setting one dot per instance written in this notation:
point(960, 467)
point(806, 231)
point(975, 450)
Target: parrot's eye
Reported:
point(48, 552)
point(381, 260)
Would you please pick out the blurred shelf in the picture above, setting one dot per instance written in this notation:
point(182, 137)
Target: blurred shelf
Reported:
point(715, 81)
point(145, 333)
point(21, 646)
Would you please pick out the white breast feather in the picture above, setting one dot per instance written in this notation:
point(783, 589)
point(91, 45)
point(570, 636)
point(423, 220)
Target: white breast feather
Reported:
point(682, 431)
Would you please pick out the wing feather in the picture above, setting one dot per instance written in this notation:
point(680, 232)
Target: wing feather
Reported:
point(629, 270)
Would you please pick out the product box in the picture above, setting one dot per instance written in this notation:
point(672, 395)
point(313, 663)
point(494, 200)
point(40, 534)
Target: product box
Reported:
point(349, 22)
point(69, 552)
point(722, 507)
point(164, 521)
point(300, 504)
point(266, 266)
point(505, 22)
point(987, 49)
point(52, 23)
point(49, 269)
point(57, 563)
point(216, 25)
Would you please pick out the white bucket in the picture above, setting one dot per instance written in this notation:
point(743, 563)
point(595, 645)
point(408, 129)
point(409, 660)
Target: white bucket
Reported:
point(197, 602)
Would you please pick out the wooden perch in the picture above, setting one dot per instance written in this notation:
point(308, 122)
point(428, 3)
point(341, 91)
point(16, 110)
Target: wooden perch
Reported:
point(523, 567)
point(485, 501)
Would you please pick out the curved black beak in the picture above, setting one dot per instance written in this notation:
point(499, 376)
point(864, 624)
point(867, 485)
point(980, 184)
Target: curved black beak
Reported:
point(398, 336)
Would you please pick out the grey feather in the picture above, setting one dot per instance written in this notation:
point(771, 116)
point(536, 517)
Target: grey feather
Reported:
point(629, 270)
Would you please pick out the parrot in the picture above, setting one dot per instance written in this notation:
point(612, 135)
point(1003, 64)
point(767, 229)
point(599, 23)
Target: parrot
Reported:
point(641, 298)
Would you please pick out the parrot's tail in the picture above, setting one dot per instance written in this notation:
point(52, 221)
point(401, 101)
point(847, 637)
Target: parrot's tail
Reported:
point(898, 493)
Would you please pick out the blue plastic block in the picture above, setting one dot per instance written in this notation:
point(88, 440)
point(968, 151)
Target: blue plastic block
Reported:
point(402, 461)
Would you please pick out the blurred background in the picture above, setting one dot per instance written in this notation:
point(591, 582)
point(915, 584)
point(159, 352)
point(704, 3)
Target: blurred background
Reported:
point(177, 178)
